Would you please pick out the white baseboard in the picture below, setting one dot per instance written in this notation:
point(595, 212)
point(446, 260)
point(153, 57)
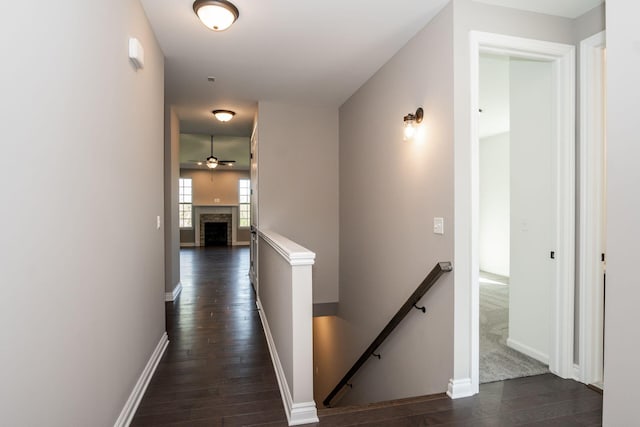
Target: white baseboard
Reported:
point(297, 413)
point(460, 388)
point(576, 372)
point(171, 296)
point(131, 405)
point(529, 351)
point(241, 243)
point(187, 245)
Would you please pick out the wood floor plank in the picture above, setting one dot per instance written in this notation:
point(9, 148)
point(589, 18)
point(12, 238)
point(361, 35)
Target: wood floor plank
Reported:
point(217, 371)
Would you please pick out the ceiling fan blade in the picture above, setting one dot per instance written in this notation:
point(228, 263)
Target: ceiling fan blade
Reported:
point(226, 161)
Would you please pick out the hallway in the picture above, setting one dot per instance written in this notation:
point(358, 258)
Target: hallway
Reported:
point(217, 369)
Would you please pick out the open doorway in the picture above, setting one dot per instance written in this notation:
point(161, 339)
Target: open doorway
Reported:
point(517, 224)
point(562, 248)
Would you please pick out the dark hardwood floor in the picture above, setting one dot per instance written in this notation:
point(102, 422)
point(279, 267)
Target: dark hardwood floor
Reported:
point(217, 370)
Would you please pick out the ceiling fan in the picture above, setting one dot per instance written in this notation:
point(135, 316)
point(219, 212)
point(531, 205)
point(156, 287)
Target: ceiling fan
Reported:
point(212, 162)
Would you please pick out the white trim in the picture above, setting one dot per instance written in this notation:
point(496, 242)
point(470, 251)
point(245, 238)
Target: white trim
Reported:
point(288, 249)
point(466, 200)
point(592, 153)
point(131, 405)
point(529, 351)
point(187, 244)
point(576, 372)
point(297, 413)
point(171, 296)
point(241, 243)
point(460, 388)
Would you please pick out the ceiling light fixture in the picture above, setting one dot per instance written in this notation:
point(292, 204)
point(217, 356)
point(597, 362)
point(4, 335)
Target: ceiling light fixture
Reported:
point(410, 122)
point(217, 15)
point(212, 162)
point(223, 115)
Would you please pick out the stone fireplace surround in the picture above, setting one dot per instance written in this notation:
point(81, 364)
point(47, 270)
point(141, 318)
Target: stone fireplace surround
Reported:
point(206, 218)
point(228, 214)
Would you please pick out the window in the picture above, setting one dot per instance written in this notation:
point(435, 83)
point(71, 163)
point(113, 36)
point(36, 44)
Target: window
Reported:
point(244, 193)
point(186, 200)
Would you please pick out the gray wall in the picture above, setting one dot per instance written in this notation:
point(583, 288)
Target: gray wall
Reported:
point(390, 190)
point(171, 212)
point(623, 204)
point(82, 307)
point(298, 187)
point(494, 204)
point(590, 23)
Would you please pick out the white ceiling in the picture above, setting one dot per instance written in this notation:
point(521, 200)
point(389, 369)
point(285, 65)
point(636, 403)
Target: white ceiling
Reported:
point(567, 8)
point(296, 51)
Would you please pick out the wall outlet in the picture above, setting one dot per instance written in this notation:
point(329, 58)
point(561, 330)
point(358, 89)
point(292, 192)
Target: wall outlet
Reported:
point(216, 200)
point(438, 225)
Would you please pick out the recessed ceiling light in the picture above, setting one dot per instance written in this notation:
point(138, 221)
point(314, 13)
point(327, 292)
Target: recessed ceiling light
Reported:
point(217, 15)
point(223, 115)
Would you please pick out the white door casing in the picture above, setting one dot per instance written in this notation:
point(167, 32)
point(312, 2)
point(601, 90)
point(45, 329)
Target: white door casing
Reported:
point(592, 205)
point(466, 197)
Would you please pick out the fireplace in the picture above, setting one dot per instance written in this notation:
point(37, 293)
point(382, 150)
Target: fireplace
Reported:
point(215, 234)
point(215, 230)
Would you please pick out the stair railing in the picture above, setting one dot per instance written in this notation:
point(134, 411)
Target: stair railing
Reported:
point(412, 302)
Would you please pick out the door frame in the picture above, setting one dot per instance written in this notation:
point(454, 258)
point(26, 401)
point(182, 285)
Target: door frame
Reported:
point(467, 298)
point(592, 180)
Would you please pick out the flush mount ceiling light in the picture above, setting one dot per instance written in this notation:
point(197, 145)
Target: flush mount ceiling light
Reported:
point(217, 15)
point(410, 122)
point(223, 115)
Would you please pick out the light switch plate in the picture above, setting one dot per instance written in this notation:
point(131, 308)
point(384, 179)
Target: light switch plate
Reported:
point(158, 222)
point(438, 225)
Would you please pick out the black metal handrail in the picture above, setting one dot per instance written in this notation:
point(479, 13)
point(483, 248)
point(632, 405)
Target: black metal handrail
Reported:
point(427, 283)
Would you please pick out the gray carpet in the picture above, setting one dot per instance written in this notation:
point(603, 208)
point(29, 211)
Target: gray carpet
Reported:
point(497, 361)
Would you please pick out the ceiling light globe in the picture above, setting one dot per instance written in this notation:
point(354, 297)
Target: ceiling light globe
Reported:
point(212, 162)
point(223, 115)
point(217, 15)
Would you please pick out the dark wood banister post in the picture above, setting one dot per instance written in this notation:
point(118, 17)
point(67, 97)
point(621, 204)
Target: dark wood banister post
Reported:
point(427, 283)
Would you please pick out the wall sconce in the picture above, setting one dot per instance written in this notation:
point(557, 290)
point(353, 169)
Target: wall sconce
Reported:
point(410, 123)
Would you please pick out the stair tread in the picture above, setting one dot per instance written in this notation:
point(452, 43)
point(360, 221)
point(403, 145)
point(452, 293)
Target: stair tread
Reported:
point(324, 412)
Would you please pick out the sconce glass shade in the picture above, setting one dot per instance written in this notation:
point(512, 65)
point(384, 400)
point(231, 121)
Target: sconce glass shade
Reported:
point(410, 123)
point(409, 129)
point(212, 162)
point(217, 15)
point(223, 115)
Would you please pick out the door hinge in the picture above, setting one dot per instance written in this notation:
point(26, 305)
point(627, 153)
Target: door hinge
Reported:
point(553, 255)
point(602, 258)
